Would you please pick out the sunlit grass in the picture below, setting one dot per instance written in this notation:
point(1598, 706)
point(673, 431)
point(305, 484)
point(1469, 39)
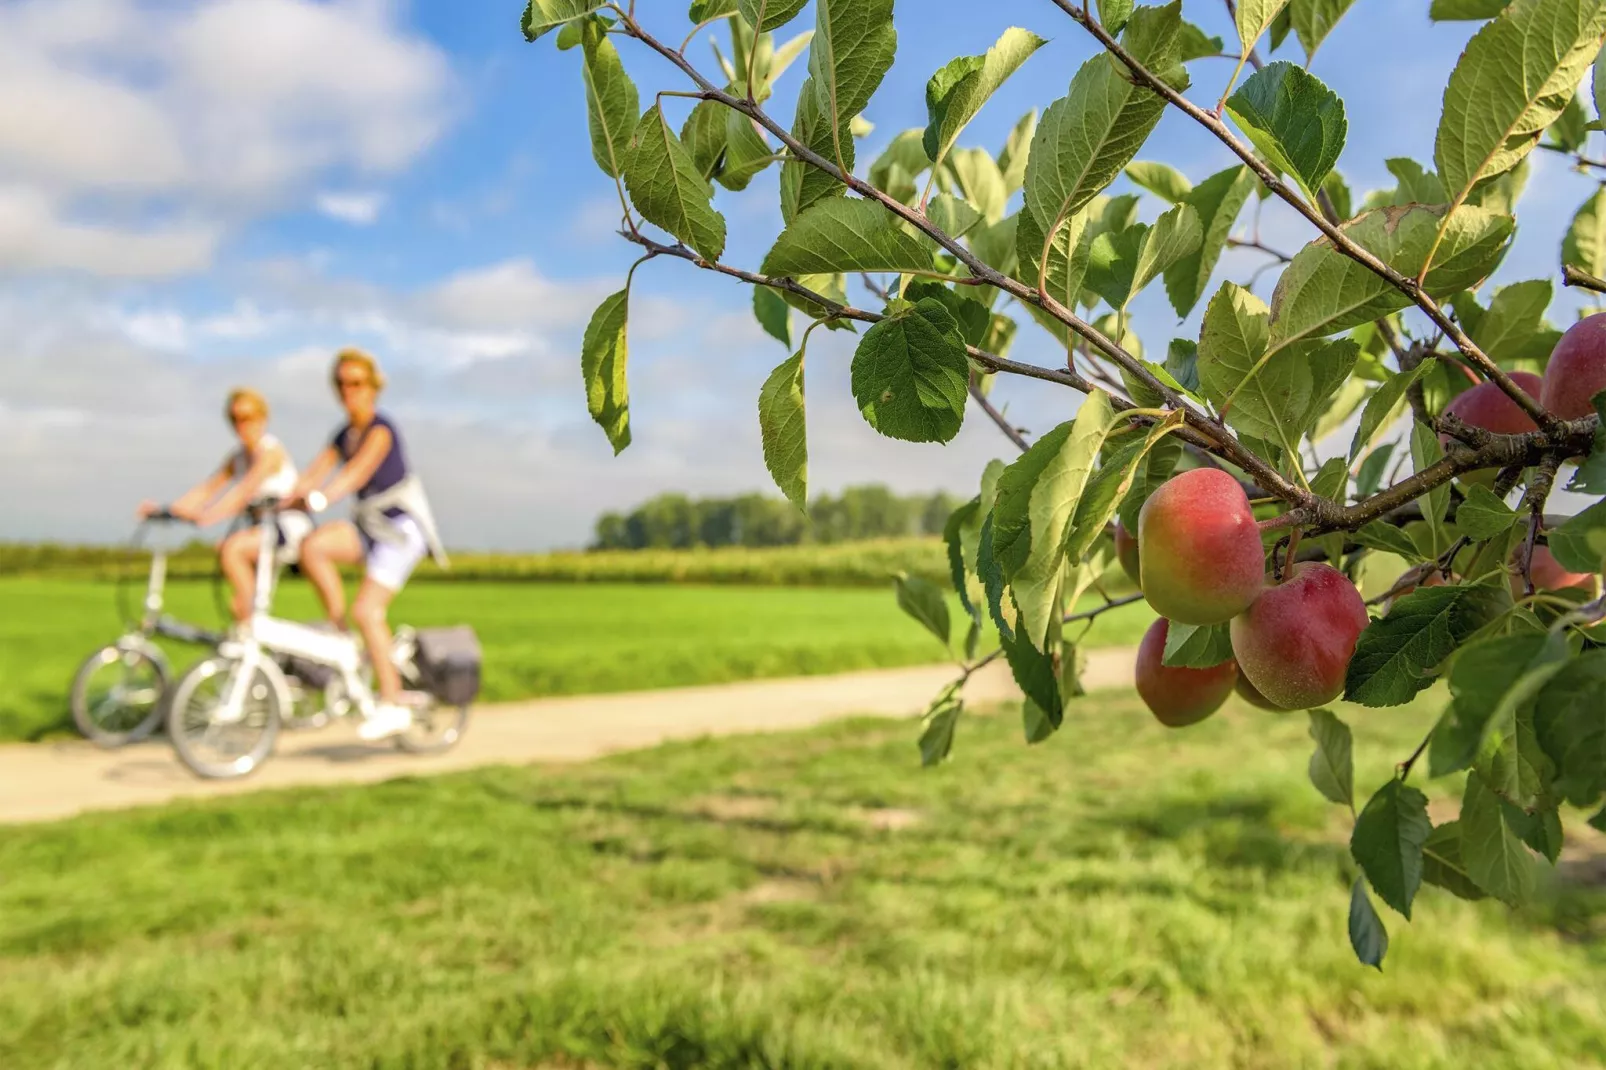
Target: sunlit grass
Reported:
point(1120, 896)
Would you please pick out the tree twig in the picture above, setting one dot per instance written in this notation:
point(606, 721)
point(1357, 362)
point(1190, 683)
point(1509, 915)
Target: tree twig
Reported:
point(1010, 431)
point(1571, 276)
point(1412, 289)
point(1215, 431)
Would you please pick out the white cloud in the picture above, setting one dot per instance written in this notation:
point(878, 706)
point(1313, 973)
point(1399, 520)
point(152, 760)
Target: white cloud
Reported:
point(113, 111)
point(358, 209)
point(512, 293)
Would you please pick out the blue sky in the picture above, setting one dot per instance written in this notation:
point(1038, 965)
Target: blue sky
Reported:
point(199, 193)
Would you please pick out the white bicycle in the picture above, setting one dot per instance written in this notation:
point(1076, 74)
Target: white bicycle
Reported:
point(225, 713)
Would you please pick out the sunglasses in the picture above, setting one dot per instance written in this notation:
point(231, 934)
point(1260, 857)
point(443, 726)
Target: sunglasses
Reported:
point(343, 383)
point(238, 418)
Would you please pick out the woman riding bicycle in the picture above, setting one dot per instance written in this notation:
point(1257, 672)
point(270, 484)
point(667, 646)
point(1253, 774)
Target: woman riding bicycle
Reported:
point(390, 531)
point(261, 469)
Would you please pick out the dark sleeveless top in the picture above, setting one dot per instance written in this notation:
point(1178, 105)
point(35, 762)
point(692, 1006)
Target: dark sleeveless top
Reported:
point(391, 471)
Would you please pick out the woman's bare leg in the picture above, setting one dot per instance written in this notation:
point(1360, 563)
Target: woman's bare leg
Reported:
point(373, 600)
point(322, 554)
point(238, 558)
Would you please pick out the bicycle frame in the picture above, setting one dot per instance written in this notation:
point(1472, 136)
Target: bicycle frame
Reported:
point(267, 633)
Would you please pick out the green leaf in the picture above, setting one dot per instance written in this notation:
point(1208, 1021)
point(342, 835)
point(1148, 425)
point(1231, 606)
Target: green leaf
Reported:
point(1089, 135)
point(854, 43)
point(1191, 646)
point(1182, 361)
point(1379, 535)
point(765, 15)
point(543, 16)
point(1295, 121)
point(1598, 85)
point(773, 314)
point(832, 287)
point(1381, 406)
point(1426, 452)
point(1102, 497)
point(1034, 671)
point(1323, 291)
point(1160, 179)
point(952, 216)
point(1369, 477)
point(1570, 730)
point(1584, 247)
point(803, 185)
point(1263, 399)
point(957, 92)
point(611, 101)
point(937, 729)
point(781, 425)
point(1016, 151)
point(925, 602)
point(706, 10)
point(1443, 865)
point(1330, 480)
point(1366, 933)
point(1155, 469)
point(1252, 18)
point(971, 315)
point(668, 190)
point(746, 152)
point(1483, 516)
point(1113, 14)
point(604, 352)
point(842, 234)
point(992, 578)
point(1465, 10)
point(1314, 19)
point(981, 182)
point(1217, 200)
point(994, 244)
point(910, 376)
point(1331, 764)
point(1570, 129)
point(1513, 331)
point(1515, 77)
point(1494, 854)
point(1196, 44)
point(1398, 654)
point(704, 137)
point(1387, 843)
point(904, 152)
point(1037, 499)
point(1590, 477)
point(961, 522)
point(1489, 679)
point(1121, 264)
point(1062, 274)
point(1580, 543)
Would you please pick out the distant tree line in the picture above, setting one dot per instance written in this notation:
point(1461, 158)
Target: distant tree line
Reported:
point(676, 521)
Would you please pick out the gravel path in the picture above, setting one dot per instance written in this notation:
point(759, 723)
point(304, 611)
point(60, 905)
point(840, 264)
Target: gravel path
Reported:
point(40, 782)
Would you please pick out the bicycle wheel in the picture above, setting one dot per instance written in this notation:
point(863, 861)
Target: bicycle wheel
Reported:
point(211, 745)
point(116, 695)
point(436, 725)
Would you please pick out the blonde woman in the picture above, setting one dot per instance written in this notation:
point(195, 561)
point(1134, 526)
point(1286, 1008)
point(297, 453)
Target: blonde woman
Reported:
point(260, 469)
point(391, 528)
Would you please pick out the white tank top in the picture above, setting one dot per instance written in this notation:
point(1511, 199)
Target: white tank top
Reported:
point(279, 483)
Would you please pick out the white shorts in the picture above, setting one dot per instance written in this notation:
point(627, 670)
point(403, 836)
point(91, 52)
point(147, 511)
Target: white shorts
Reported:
point(390, 562)
point(293, 527)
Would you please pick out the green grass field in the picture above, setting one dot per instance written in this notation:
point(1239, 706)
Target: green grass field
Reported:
point(539, 639)
point(1121, 896)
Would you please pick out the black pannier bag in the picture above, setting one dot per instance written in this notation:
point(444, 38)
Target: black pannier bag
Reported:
point(449, 663)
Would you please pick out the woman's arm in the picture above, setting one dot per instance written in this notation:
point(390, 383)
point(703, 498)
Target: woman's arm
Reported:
point(362, 466)
point(245, 491)
point(316, 473)
point(192, 502)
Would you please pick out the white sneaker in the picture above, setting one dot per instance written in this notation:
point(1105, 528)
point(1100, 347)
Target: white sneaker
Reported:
point(387, 720)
